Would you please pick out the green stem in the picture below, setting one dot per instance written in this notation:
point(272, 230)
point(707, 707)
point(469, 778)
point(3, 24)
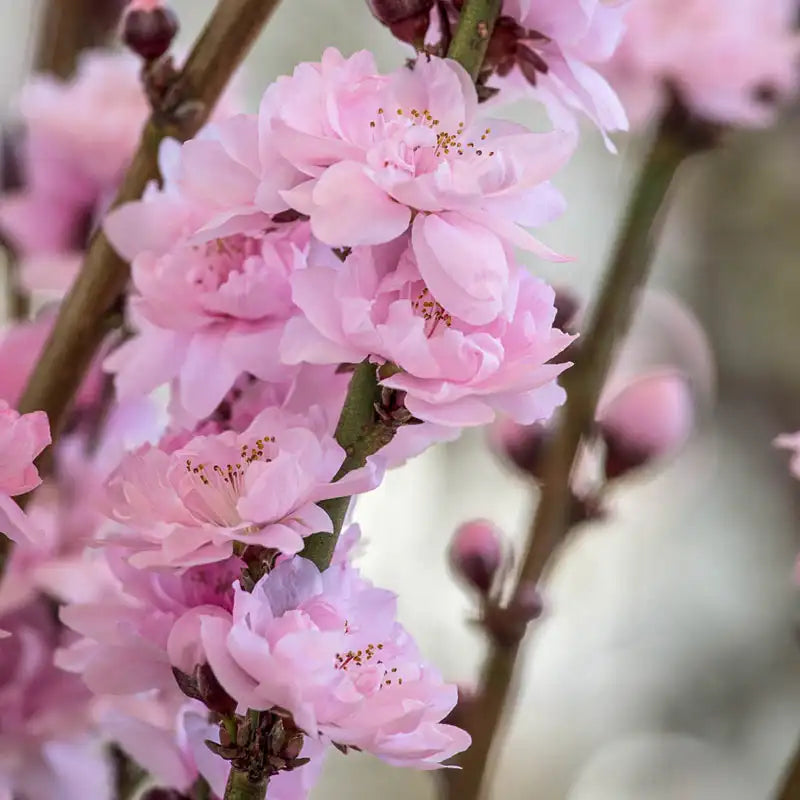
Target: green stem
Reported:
point(241, 786)
point(475, 26)
point(361, 433)
point(677, 137)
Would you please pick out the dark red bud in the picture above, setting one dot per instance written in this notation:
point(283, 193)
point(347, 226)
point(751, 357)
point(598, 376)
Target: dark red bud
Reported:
point(523, 445)
point(149, 33)
point(476, 553)
point(412, 29)
point(390, 12)
point(527, 603)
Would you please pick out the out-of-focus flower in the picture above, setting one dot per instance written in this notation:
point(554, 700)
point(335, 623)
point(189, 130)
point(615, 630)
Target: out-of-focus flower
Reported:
point(453, 373)
point(21, 344)
point(730, 61)
point(22, 438)
point(326, 647)
point(648, 419)
point(259, 487)
point(79, 136)
point(410, 146)
point(476, 554)
point(47, 749)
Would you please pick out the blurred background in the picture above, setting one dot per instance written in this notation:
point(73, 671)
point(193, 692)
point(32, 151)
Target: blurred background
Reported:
point(667, 666)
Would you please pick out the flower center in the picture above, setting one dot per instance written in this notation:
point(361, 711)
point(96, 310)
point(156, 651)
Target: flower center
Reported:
point(445, 144)
point(358, 658)
point(221, 257)
point(431, 311)
point(218, 487)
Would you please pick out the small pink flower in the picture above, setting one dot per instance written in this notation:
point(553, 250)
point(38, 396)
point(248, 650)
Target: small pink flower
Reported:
point(410, 146)
point(730, 62)
point(212, 283)
point(22, 438)
point(326, 647)
point(453, 373)
point(131, 641)
point(259, 487)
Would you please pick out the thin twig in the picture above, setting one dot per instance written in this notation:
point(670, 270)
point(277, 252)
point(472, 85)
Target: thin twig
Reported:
point(677, 137)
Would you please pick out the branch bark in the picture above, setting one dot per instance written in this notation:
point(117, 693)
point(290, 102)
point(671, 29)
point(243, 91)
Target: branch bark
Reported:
point(68, 27)
point(678, 136)
point(475, 26)
point(241, 787)
point(88, 310)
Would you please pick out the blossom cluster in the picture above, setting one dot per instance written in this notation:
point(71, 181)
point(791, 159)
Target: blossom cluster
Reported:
point(163, 592)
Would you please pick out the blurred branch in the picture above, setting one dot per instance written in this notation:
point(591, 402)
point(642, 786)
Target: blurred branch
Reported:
point(69, 26)
point(678, 136)
point(789, 787)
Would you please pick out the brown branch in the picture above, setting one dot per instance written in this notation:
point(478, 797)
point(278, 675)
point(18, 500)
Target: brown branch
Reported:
point(677, 137)
point(68, 27)
point(84, 316)
point(789, 787)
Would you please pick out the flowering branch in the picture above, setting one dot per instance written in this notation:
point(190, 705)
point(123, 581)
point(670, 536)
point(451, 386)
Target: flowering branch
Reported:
point(360, 430)
point(678, 136)
point(90, 307)
point(475, 26)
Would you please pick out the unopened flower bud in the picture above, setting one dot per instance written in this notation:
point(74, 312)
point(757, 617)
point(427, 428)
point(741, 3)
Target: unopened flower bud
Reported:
point(527, 603)
point(148, 28)
point(476, 554)
point(649, 419)
point(390, 11)
point(522, 445)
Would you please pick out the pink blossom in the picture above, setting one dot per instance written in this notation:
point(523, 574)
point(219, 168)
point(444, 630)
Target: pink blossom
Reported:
point(411, 146)
point(729, 61)
point(132, 638)
point(453, 373)
point(205, 296)
point(22, 438)
point(47, 749)
point(260, 487)
point(556, 58)
point(326, 647)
